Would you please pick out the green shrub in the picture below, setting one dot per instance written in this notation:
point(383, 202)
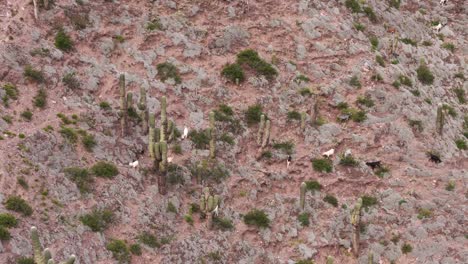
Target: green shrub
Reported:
point(257, 218)
point(409, 41)
point(21, 135)
point(104, 169)
point(18, 204)
point(305, 92)
point(461, 144)
point(305, 261)
point(11, 92)
point(353, 5)
point(119, 250)
point(379, 59)
point(396, 84)
point(81, 177)
point(252, 59)
point(348, 160)
point(89, 142)
point(395, 61)
point(394, 3)
point(424, 74)
point(69, 134)
point(370, 14)
point(174, 174)
point(209, 171)
point(104, 105)
point(449, 46)
point(27, 115)
point(167, 70)
point(63, 41)
point(189, 219)
point(303, 218)
point(24, 260)
point(322, 165)
point(359, 26)
point(8, 220)
point(450, 186)
point(222, 223)
point(200, 139)
point(8, 119)
point(22, 182)
point(226, 138)
point(450, 110)
point(135, 249)
point(415, 92)
point(155, 24)
point(354, 81)
point(358, 116)
point(377, 77)
point(301, 78)
point(367, 101)
point(33, 75)
point(119, 38)
point(460, 93)
point(287, 146)
point(374, 42)
point(64, 119)
point(266, 154)
point(233, 72)
point(177, 149)
point(98, 220)
point(294, 115)
point(253, 114)
point(149, 239)
point(406, 248)
point(380, 172)
point(416, 124)
point(40, 100)
point(459, 75)
point(368, 201)
point(313, 186)
point(331, 200)
point(4, 234)
point(71, 81)
point(405, 80)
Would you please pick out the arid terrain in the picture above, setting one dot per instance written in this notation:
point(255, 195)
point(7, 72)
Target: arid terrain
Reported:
point(84, 87)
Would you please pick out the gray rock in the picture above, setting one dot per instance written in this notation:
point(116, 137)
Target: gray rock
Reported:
point(306, 252)
point(232, 35)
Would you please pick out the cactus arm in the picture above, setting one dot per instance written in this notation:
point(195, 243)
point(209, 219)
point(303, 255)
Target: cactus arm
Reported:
point(212, 136)
point(47, 255)
point(303, 120)
point(329, 260)
point(302, 194)
point(70, 260)
point(266, 135)
point(123, 105)
point(260, 130)
point(163, 119)
point(37, 248)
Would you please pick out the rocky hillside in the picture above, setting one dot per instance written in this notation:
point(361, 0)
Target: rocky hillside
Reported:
point(96, 96)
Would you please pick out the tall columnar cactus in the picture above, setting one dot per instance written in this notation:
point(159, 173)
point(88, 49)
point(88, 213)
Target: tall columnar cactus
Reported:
point(212, 135)
point(208, 204)
point(370, 258)
point(162, 167)
point(440, 120)
point(199, 173)
point(44, 256)
point(303, 120)
point(302, 195)
point(151, 139)
point(142, 106)
point(170, 130)
point(315, 111)
point(266, 134)
point(129, 100)
point(260, 130)
point(356, 222)
point(123, 105)
point(163, 128)
point(329, 260)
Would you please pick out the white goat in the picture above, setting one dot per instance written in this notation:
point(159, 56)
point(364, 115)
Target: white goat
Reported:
point(443, 2)
point(169, 159)
point(328, 153)
point(215, 211)
point(184, 136)
point(438, 27)
point(133, 164)
point(347, 153)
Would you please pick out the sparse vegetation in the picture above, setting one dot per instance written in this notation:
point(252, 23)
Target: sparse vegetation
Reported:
point(253, 113)
point(394, 3)
point(303, 218)
point(331, 200)
point(200, 139)
point(379, 59)
point(406, 248)
point(365, 100)
point(252, 59)
point(354, 81)
point(189, 219)
point(368, 201)
point(34, 75)
point(149, 239)
point(460, 93)
point(89, 142)
point(11, 92)
point(104, 105)
point(450, 186)
point(167, 71)
point(135, 249)
point(305, 92)
point(313, 186)
point(63, 41)
point(40, 100)
point(4, 234)
point(359, 26)
point(374, 42)
point(119, 250)
point(8, 220)
point(18, 204)
point(104, 169)
point(349, 161)
point(449, 46)
point(25, 260)
point(233, 72)
point(155, 24)
point(257, 218)
point(322, 165)
point(71, 81)
point(353, 5)
point(294, 115)
point(409, 41)
point(424, 74)
point(27, 115)
point(286, 146)
point(69, 134)
point(81, 177)
point(424, 213)
point(98, 220)
point(370, 14)
point(222, 223)
point(461, 144)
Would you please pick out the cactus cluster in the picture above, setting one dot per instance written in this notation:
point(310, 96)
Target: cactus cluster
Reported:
point(208, 203)
point(123, 105)
point(143, 107)
point(263, 135)
point(356, 222)
point(44, 256)
point(212, 136)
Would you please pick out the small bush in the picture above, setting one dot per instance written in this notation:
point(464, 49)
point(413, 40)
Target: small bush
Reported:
point(4, 234)
point(405, 80)
point(424, 74)
point(167, 70)
point(359, 26)
point(267, 154)
point(406, 248)
point(80, 177)
point(89, 142)
point(322, 165)
point(416, 92)
point(200, 139)
point(301, 78)
point(119, 250)
point(409, 41)
point(257, 218)
point(98, 220)
point(349, 161)
point(294, 115)
point(396, 84)
point(155, 24)
point(40, 100)
point(367, 101)
point(353, 5)
point(8, 220)
point(11, 92)
point(449, 187)
point(253, 113)
point(394, 3)
point(449, 46)
point(104, 169)
point(24, 260)
point(69, 134)
point(189, 219)
point(416, 124)
point(149, 239)
point(459, 75)
point(18, 204)
point(177, 149)
point(22, 182)
point(27, 115)
point(460, 93)
point(380, 60)
point(8, 119)
point(305, 261)
point(368, 201)
point(313, 186)
point(450, 110)
point(305, 92)
point(33, 75)
point(380, 172)
point(104, 105)
point(135, 249)
point(358, 116)
point(354, 81)
point(222, 223)
point(377, 77)
point(71, 81)
point(461, 144)
point(370, 14)
point(252, 59)
point(63, 41)
point(227, 138)
point(374, 42)
point(331, 200)
point(303, 218)
point(287, 146)
point(233, 72)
